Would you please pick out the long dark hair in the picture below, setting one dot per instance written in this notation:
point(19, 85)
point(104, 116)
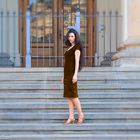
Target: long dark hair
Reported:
point(77, 42)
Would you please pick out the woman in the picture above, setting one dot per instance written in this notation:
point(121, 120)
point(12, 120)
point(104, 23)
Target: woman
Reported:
point(73, 64)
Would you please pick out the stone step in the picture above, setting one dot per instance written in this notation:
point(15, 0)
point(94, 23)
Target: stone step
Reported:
point(82, 136)
point(60, 69)
point(58, 94)
point(46, 74)
point(35, 74)
point(80, 83)
point(109, 132)
point(52, 121)
point(86, 110)
point(59, 98)
point(45, 83)
point(63, 100)
point(66, 109)
point(63, 105)
point(72, 127)
point(88, 86)
point(57, 76)
point(63, 115)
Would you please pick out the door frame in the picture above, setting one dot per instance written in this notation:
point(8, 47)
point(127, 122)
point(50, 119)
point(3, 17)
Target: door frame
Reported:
point(22, 9)
point(91, 32)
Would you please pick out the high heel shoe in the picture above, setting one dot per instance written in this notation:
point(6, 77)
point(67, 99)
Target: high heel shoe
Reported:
point(69, 121)
point(80, 119)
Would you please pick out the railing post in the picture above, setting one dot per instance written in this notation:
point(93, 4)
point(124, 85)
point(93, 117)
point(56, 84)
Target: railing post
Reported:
point(28, 47)
point(77, 21)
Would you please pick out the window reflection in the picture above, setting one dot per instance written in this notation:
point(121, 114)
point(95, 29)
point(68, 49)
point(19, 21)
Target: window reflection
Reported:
point(42, 18)
point(41, 21)
point(70, 7)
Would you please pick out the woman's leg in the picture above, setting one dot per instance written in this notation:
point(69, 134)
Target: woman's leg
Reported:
point(77, 103)
point(71, 112)
point(71, 108)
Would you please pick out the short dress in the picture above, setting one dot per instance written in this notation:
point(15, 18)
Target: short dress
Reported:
point(70, 89)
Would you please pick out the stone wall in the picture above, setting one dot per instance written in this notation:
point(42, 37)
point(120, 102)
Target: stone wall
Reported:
point(9, 35)
point(103, 31)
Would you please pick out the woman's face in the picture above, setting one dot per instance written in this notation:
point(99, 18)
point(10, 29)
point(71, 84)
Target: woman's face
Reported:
point(71, 38)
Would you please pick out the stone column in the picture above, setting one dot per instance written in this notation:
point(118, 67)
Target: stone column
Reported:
point(129, 51)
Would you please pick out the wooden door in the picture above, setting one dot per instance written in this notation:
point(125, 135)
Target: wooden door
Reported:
point(87, 24)
point(49, 24)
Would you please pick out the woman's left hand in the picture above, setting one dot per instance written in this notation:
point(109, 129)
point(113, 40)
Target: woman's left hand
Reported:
point(74, 79)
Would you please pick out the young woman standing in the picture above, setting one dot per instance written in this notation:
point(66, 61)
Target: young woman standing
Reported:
point(72, 65)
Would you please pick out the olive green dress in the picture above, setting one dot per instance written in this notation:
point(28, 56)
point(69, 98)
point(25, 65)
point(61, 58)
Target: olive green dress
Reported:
point(70, 89)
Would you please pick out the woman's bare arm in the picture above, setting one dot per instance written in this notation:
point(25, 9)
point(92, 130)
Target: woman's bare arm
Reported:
point(77, 59)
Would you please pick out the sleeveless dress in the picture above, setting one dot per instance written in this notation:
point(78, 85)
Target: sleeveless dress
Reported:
point(70, 89)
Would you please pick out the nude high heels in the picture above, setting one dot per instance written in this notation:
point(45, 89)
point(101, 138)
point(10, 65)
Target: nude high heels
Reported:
point(81, 119)
point(69, 121)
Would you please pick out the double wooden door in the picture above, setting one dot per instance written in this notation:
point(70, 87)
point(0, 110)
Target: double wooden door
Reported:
point(50, 20)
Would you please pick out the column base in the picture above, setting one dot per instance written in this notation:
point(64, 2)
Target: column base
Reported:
point(128, 54)
point(126, 62)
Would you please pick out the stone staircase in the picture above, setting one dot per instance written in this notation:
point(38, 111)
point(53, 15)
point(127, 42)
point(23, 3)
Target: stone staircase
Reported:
point(32, 105)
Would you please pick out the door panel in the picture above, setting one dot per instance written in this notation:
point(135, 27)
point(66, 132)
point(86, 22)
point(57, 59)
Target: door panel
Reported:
point(87, 25)
point(42, 38)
